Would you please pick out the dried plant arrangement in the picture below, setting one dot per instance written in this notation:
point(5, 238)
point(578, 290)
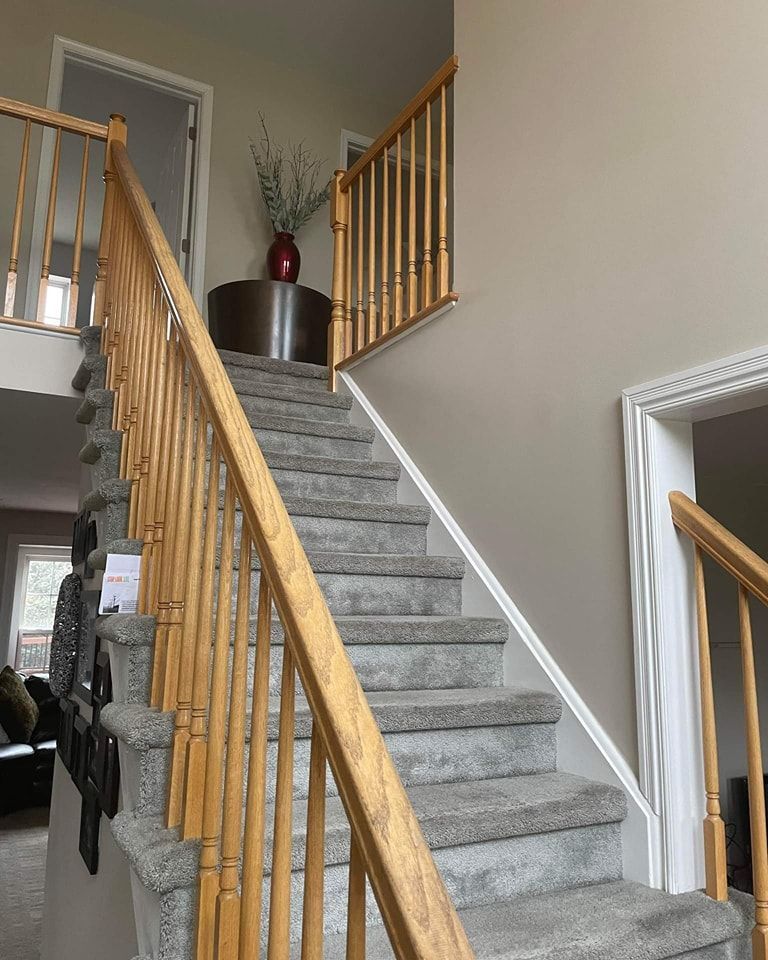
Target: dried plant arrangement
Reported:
point(288, 179)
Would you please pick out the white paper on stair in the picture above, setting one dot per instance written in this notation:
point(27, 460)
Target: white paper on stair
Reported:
point(120, 586)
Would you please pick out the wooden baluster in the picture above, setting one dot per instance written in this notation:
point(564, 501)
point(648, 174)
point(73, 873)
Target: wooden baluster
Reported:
point(139, 389)
point(371, 331)
point(714, 828)
point(165, 565)
point(150, 409)
point(50, 219)
point(278, 946)
point(189, 629)
point(163, 456)
point(443, 263)
point(180, 553)
point(349, 336)
point(228, 901)
point(356, 903)
point(112, 290)
point(154, 463)
point(116, 133)
point(314, 863)
point(360, 322)
point(426, 267)
point(413, 283)
point(194, 787)
point(127, 345)
point(398, 278)
point(385, 324)
point(255, 803)
point(209, 875)
point(337, 335)
point(759, 833)
point(74, 286)
point(18, 213)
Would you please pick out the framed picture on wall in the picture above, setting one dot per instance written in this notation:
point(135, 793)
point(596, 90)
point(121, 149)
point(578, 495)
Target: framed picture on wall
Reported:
point(88, 645)
point(80, 750)
point(90, 819)
point(107, 773)
point(101, 686)
point(68, 710)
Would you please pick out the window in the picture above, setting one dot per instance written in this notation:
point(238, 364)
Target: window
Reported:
point(39, 577)
point(56, 301)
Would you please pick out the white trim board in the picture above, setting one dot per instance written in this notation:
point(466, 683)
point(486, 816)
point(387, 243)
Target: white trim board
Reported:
point(197, 93)
point(658, 418)
point(584, 747)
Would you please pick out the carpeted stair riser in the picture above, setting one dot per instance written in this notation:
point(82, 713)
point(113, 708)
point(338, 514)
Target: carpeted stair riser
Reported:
point(111, 500)
point(131, 673)
point(92, 373)
point(298, 483)
point(102, 453)
point(96, 410)
point(304, 376)
point(90, 340)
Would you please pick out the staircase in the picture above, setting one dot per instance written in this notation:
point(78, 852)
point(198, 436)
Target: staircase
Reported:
point(531, 857)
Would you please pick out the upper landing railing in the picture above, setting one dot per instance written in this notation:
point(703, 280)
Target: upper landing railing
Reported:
point(64, 126)
point(390, 222)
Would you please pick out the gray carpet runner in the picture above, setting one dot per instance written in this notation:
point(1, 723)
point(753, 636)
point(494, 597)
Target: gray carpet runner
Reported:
point(531, 856)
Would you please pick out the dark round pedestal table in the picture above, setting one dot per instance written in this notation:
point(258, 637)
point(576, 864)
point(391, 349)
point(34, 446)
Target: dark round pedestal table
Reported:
point(270, 318)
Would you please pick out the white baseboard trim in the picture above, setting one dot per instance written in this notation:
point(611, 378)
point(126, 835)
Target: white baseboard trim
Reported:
point(644, 858)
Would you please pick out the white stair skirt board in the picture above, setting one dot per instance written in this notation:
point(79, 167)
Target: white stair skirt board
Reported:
point(658, 418)
point(584, 747)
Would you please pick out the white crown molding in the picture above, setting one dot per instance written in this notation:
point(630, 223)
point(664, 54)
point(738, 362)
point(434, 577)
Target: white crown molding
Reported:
point(645, 836)
point(658, 418)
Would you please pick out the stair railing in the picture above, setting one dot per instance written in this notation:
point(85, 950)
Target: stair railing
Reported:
point(751, 575)
point(188, 450)
point(375, 298)
point(63, 125)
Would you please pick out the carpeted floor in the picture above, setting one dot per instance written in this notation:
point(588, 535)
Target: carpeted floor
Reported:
point(23, 841)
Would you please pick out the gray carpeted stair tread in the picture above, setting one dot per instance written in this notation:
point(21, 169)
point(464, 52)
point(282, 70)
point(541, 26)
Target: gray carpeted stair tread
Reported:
point(450, 814)
point(96, 399)
point(380, 565)
point(353, 510)
point(396, 711)
point(337, 466)
point(106, 492)
point(97, 559)
point(294, 368)
point(315, 428)
point(245, 388)
point(92, 369)
point(128, 629)
point(100, 441)
point(606, 921)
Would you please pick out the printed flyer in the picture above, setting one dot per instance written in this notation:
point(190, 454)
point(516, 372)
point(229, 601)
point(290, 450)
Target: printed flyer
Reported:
point(120, 586)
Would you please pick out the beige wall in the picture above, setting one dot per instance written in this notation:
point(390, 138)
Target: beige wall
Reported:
point(298, 106)
point(611, 210)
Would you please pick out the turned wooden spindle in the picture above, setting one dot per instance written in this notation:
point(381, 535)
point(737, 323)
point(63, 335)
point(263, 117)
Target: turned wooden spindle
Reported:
point(117, 132)
point(314, 861)
point(398, 277)
point(755, 775)
point(194, 787)
point(443, 263)
point(208, 887)
point(337, 328)
point(228, 901)
point(714, 828)
point(255, 802)
point(426, 266)
point(356, 903)
point(360, 316)
point(50, 220)
point(370, 333)
point(18, 213)
point(349, 326)
point(385, 318)
point(413, 283)
point(279, 937)
point(77, 247)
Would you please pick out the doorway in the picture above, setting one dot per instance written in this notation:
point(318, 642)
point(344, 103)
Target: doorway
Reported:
point(661, 420)
point(169, 131)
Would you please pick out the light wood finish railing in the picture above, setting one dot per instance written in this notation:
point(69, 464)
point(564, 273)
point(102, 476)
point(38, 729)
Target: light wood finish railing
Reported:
point(210, 517)
point(369, 303)
point(751, 575)
point(62, 124)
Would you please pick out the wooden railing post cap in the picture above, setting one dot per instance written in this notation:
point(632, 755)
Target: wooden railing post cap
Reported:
point(339, 200)
point(117, 117)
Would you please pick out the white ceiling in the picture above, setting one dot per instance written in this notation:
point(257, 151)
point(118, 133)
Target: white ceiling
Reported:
point(39, 440)
point(376, 45)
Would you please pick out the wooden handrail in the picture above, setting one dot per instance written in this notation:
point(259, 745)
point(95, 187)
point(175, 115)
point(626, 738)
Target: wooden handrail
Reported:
point(418, 913)
point(52, 118)
point(719, 543)
point(412, 110)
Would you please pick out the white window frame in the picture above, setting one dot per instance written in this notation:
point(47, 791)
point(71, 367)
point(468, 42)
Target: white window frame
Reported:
point(27, 552)
point(65, 285)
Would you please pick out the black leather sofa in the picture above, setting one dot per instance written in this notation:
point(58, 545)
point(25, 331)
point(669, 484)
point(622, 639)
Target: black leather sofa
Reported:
point(26, 769)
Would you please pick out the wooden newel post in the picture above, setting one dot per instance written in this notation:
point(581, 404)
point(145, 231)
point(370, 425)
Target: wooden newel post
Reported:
point(116, 132)
point(337, 332)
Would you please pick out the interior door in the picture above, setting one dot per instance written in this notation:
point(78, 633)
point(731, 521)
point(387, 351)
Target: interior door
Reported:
point(173, 203)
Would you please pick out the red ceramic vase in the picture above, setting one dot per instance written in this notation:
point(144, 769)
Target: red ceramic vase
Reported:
point(283, 258)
